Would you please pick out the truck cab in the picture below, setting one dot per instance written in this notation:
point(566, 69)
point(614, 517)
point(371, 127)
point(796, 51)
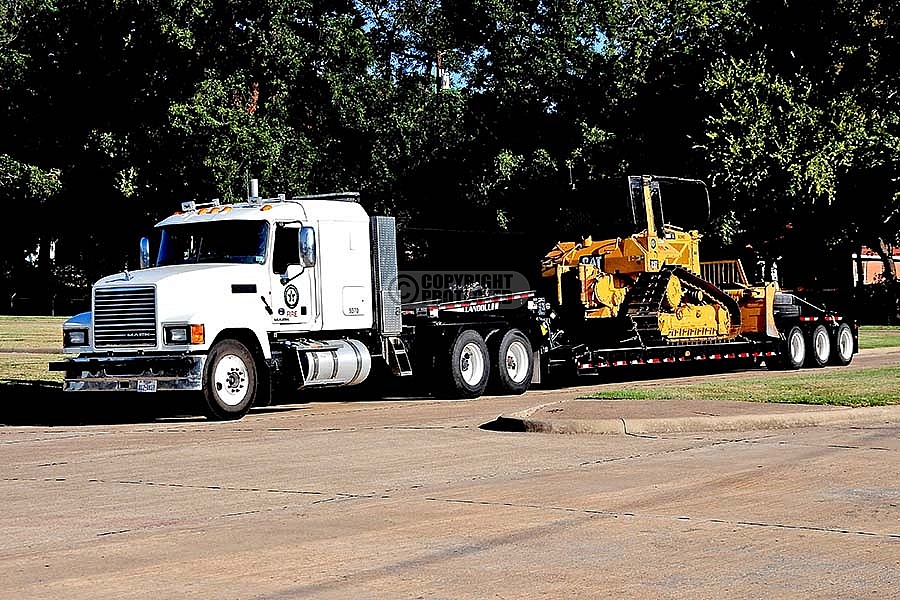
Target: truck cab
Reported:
point(255, 288)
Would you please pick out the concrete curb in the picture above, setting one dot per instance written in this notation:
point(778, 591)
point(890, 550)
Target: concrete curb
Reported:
point(523, 421)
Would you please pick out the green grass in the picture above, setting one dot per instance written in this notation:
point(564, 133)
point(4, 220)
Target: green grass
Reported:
point(29, 367)
point(879, 336)
point(877, 386)
point(26, 333)
point(27, 344)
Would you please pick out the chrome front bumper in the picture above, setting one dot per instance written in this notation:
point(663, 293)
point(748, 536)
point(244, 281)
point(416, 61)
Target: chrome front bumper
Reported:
point(137, 373)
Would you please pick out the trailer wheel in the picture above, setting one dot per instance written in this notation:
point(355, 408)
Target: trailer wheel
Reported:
point(230, 382)
point(465, 366)
point(793, 350)
point(842, 346)
point(512, 363)
point(820, 346)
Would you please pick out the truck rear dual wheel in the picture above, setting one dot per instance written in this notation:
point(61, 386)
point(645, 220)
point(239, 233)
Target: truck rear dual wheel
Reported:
point(464, 366)
point(513, 363)
point(230, 381)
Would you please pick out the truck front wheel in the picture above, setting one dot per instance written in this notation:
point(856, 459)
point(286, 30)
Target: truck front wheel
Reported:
point(465, 366)
point(230, 383)
point(513, 363)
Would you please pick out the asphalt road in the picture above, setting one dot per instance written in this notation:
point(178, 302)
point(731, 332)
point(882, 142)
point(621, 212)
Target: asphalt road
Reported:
point(348, 498)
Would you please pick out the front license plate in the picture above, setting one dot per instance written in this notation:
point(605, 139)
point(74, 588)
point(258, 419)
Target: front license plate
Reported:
point(145, 385)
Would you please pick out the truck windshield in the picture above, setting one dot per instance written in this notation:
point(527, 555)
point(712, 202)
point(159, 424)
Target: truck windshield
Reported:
point(215, 242)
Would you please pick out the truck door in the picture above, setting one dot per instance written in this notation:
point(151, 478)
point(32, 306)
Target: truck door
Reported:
point(294, 294)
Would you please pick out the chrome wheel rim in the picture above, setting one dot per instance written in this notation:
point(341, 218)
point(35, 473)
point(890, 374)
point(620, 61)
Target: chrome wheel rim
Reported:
point(516, 361)
point(471, 364)
point(230, 378)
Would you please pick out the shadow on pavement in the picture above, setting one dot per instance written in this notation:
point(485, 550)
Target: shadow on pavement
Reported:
point(44, 403)
point(646, 372)
point(504, 424)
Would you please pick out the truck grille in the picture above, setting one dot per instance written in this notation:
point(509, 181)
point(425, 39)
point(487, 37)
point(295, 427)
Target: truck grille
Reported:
point(125, 316)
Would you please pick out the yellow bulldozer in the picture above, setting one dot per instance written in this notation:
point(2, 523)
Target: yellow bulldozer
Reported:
point(651, 291)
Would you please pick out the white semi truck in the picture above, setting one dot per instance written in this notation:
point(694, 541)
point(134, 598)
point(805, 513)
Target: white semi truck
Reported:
point(249, 299)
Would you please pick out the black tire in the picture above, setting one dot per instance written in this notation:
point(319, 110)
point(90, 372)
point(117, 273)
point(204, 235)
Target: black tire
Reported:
point(842, 345)
point(230, 381)
point(818, 347)
point(512, 363)
point(464, 366)
point(793, 350)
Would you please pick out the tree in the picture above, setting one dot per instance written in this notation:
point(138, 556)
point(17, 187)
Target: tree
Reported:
point(807, 130)
point(26, 182)
point(25, 253)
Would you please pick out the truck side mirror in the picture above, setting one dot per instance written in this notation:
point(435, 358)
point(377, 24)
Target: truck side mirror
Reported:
point(144, 253)
point(308, 246)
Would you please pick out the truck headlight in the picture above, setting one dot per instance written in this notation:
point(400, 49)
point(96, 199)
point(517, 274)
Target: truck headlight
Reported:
point(75, 337)
point(184, 334)
point(176, 334)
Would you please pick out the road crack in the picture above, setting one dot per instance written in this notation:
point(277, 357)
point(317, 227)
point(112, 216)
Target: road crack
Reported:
point(678, 518)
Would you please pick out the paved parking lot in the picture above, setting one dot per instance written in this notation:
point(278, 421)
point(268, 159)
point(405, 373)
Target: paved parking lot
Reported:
point(349, 498)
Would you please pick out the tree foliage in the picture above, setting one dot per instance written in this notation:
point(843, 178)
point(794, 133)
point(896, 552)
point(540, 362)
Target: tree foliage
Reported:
point(511, 118)
point(807, 129)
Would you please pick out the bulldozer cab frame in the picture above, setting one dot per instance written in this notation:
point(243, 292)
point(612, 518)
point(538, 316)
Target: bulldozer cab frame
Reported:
point(646, 200)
